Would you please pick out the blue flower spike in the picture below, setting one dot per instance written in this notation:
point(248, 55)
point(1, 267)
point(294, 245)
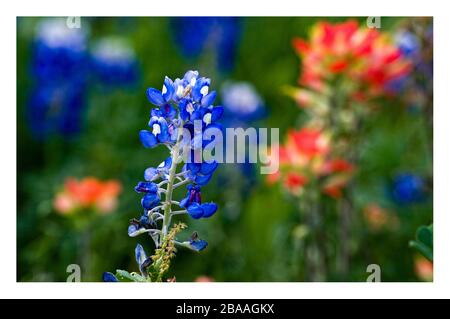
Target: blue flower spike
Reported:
point(178, 105)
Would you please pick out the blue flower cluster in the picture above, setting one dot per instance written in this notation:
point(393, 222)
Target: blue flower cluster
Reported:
point(408, 189)
point(59, 68)
point(195, 35)
point(63, 68)
point(182, 106)
point(114, 62)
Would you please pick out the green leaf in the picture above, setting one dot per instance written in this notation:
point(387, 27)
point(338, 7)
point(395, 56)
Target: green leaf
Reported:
point(424, 241)
point(124, 275)
point(423, 249)
point(425, 235)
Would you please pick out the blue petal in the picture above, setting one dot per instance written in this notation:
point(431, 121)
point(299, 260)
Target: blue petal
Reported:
point(168, 84)
point(168, 111)
point(202, 180)
point(209, 209)
point(184, 202)
point(194, 167)
point(109, 277)
point(146, 187)
point(208, 168)
point(151, 174)
point(189, 75)
point(198, 244)
point(198, 114)
point(155, 113)
point(184, 114)
point(208, 99)
point(195, 211)
point(166, 164)
point(164, 136)
point(148, 139)
point(150, 200)
point(196, 91)
point(216, 113)
point(155, 96)
point(140, 254)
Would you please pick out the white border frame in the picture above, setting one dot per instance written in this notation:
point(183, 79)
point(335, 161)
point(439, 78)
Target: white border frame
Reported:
point(10, 289)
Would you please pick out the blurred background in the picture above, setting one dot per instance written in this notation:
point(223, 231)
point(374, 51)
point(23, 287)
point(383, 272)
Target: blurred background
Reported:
point(81, 104)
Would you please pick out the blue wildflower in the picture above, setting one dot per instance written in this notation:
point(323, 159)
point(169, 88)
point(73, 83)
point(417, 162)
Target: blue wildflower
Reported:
point(197, 35)
point(159, 133)
point(161, 171)
point(114, 62)
point(408, 43)
point(193, 204)
point(141, 259)
point(198, 244)
point(109, 277)
point(59, 65)
point(151, 197)
point(408, 189)
point(178, 105)
point(242, 102)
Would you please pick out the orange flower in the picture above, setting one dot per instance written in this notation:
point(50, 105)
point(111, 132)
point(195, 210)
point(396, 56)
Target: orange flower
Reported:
point(204, 279)
point(423, 268)
point(87, 193)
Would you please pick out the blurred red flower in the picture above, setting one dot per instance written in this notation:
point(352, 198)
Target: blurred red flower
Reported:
point(365, 56)
point(88, 192)
point(423, 268)
point(305, 156)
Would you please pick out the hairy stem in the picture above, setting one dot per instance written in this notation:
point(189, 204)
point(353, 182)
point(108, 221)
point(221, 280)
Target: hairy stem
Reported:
point(170, 184)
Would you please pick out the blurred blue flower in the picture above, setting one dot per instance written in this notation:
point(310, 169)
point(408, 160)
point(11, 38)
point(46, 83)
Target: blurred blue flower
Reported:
point(59, 52)
point(114, 62)
point(242, 102)
point(196, 35)
point(59, 65)
point(408, 189)
point(408, 43)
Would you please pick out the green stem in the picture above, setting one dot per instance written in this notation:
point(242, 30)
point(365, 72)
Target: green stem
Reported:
point(170, 183)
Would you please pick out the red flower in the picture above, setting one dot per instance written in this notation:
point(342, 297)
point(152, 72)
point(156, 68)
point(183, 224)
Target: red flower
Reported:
point(362, 55)
point(85, 193)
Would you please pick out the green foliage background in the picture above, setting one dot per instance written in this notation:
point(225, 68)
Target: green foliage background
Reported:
point(252, 237)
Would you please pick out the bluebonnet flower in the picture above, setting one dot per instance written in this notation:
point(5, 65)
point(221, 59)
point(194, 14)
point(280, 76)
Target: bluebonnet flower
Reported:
point(109, 277)
point(59, 68)
point(200, 173)
point(196, 35)
point(162, 171)
point(242, 101)
point(59, 52)
point(193, 203)
point(183, 107)
point(114, 62)
point(408, 43)
point(151, 197)
point(408, 189)
point(159, 132)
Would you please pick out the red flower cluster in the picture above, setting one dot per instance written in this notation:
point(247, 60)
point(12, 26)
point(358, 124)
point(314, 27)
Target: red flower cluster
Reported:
point(365, 56)
point(88, 192)
point(305, 155)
